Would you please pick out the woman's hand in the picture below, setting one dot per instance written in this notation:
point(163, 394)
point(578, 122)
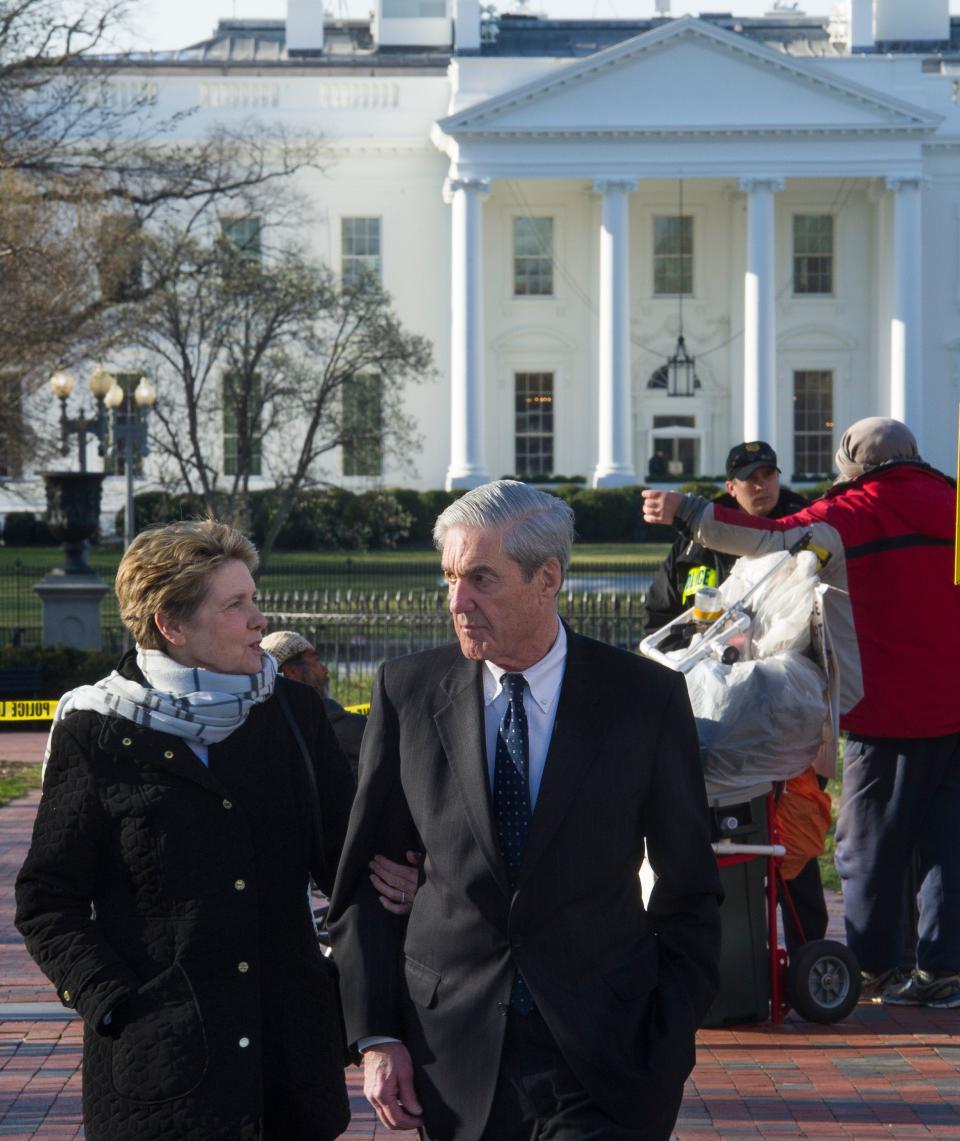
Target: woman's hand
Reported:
point(396, 884)
point(660, 506)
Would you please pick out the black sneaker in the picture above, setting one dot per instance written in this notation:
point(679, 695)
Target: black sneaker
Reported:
point(875, 984)
point(939, 990)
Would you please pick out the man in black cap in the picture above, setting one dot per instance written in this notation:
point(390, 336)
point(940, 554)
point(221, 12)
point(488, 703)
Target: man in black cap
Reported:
point(753, 486)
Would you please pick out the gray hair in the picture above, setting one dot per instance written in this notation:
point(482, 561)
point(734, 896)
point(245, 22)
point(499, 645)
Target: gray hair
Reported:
point(536, 526)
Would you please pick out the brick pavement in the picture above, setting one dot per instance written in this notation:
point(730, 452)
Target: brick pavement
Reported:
point(883, 1073)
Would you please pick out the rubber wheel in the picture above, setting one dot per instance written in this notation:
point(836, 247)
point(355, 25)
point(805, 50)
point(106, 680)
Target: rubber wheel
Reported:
point(823, 981)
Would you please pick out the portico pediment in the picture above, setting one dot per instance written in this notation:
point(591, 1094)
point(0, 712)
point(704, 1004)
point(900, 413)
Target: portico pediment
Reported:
point(688, 78)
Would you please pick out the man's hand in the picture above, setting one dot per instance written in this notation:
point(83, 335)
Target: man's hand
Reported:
point(660, 506)
point(388, 1085)
point(396, 884)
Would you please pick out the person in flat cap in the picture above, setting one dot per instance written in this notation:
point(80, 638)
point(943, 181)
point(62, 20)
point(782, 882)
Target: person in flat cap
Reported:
point(887, 530)
point(803, 807)
point(297, 658)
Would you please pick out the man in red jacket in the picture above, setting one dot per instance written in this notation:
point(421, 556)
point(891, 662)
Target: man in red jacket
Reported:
point(887, 532)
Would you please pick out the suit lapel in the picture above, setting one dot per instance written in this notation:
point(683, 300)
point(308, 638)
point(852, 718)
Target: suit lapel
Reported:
point(572, 750)
point(460, 726)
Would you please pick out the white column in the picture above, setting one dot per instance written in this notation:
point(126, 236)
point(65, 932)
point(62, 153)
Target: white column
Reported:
point(906, 346)
point(614, 453)
point(467, 452)
point(759, 312)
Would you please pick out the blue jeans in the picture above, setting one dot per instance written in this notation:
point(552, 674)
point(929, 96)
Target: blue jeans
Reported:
point(900, 797)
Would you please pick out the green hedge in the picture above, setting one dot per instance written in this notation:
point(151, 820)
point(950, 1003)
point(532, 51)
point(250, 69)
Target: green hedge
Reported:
point(327, 518)
point(25, 529)
point(336, 519)
point(63, 667)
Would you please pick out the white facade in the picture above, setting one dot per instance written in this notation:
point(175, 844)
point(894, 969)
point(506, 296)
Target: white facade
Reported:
point(449, 153)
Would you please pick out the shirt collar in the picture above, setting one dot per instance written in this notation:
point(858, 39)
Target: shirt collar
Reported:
point(543, 678)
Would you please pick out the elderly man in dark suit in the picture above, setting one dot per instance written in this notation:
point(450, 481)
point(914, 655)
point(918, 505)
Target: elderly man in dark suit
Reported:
point(530, 994)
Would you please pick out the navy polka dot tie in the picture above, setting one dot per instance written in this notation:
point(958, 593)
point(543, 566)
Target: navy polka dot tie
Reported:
point(511, 801)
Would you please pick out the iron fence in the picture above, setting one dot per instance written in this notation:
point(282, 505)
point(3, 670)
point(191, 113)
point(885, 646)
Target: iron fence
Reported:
point(354, 631)
point(363, 611)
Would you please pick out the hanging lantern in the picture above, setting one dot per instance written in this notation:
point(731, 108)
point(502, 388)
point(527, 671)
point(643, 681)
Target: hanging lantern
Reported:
point(681, 377)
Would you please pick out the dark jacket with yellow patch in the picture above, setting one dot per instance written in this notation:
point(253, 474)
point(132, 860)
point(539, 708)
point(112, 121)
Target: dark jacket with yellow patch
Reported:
point(689, 566)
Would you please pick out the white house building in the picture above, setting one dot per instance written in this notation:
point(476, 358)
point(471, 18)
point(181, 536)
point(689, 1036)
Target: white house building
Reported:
point(553, 203)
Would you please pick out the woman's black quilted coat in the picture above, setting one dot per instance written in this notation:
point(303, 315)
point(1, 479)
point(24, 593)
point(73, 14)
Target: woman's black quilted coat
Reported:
point(174, 897)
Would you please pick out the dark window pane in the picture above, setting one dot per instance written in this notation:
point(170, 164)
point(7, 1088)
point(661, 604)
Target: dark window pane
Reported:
point(813, 253)
point(813, 423)
point(673, 255)
point(363, 426)
point(533, 423)
point(242, 404)
point(533, 257)
point(360, 249)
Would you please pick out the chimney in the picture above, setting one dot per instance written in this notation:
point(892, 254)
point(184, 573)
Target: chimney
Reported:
point(304, 27)
point(919, 21)
point(861, 25)
point(466, 27)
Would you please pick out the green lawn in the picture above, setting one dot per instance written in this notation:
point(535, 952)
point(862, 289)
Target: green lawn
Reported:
point(105, 559)
point(17, 779)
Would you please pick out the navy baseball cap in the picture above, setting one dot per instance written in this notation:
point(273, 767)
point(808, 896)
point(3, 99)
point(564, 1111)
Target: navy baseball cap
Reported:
point(744, 459)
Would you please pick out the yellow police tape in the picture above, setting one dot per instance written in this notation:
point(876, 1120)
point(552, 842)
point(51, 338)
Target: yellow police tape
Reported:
point(37, 710)
point(27, 709)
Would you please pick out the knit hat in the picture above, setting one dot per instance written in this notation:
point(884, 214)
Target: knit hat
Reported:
point(872, 442)
point(284, 645)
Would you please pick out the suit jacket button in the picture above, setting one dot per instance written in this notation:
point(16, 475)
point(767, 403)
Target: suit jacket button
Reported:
point(168, 753)
point(66, 996)
point(127, 741)
point(228, 804)
point(240, 885)
point(243, 967)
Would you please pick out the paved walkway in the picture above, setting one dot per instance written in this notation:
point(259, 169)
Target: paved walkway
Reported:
point(883, 1073)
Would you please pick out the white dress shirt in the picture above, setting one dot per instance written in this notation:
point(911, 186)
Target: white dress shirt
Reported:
point(541, 695)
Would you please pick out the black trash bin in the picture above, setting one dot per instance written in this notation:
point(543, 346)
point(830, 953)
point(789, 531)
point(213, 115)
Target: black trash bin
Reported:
point(744, 994)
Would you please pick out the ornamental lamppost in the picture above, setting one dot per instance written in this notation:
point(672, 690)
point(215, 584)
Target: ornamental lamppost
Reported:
point(63, 385)
point(71, 595)
point(130, 413)
point(73, 498)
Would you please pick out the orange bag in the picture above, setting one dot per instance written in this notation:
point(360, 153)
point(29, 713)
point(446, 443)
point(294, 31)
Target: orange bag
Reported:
point(803, 817)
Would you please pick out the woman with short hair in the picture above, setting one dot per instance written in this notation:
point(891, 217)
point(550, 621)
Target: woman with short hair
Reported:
point(165, 891)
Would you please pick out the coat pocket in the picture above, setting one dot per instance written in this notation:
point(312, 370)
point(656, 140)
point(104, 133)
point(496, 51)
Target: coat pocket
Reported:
point(636, 976)
point(160, 1050)
point(423, 982)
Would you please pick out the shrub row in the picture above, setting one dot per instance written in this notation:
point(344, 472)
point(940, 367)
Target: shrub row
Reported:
point(335, 519)
point(63, 667)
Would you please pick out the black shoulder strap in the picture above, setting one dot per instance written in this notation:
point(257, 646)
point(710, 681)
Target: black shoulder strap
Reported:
point(284, 703)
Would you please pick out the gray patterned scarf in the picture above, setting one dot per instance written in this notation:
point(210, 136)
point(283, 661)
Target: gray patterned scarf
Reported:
point(196, 704)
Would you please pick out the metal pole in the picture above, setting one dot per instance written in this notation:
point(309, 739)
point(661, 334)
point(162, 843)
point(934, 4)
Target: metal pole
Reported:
point(128, 527)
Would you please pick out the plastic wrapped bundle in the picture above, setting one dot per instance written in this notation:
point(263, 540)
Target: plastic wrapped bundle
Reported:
point(762, 717)
point(757, 720)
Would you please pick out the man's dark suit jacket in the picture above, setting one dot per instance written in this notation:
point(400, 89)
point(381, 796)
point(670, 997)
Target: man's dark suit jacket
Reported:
point(621, 988)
